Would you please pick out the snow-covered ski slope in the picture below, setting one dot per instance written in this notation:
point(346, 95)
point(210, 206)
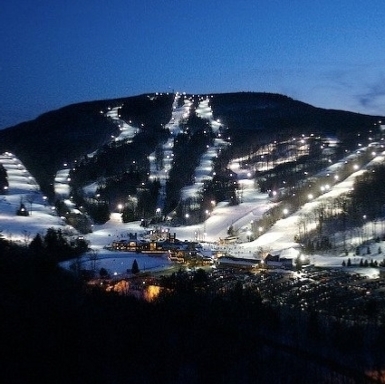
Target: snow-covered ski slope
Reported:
point(23, 189)
point(127, 131)
point(22, 229)
point(204, 170)
point(282, 234)
point(159, 170)
point(205, 112)
point(253, 204)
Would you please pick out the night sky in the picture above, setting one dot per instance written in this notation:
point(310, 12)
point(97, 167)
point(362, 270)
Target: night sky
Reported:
point(329, 54)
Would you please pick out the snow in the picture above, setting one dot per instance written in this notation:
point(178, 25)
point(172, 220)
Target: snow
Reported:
point(204, 170)
point(280, 237)
point(127, 131)
point(119, 262)
point(161, 172)
point(61, 182)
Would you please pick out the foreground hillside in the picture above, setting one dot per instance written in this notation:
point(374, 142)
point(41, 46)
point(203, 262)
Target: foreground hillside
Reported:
point(55, 329)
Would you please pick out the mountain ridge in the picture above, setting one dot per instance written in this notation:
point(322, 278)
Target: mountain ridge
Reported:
point(73, 131)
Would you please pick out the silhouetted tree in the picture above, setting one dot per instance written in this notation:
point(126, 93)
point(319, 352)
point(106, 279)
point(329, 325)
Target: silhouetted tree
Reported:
point(36, 246)
point(361, 263)
point(135, 267)
point(128, 215)
point(103, 273)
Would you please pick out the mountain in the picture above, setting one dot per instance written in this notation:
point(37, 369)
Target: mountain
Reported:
point(69, 134)
point(278, 112)
point(272, 173)
point(63, 135)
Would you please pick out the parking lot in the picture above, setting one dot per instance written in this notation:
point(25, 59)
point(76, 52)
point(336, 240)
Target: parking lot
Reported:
point(336, 292)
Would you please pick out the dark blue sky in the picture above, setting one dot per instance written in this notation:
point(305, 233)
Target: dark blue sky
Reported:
point(54, 53)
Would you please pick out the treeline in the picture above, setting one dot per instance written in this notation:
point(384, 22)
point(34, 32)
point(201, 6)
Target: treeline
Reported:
point(368, 194)
point(293, 172)
point(53, 247)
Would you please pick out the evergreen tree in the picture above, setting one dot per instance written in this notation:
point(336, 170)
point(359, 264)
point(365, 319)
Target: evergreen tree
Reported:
point(103, 273)
point(135, 267)
point(99, 212)
point(51, 242)
point(58, 247)
point(80, 245)
point(361, 263)
point(349, 262)
point(36, 246)
point(128, 215)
